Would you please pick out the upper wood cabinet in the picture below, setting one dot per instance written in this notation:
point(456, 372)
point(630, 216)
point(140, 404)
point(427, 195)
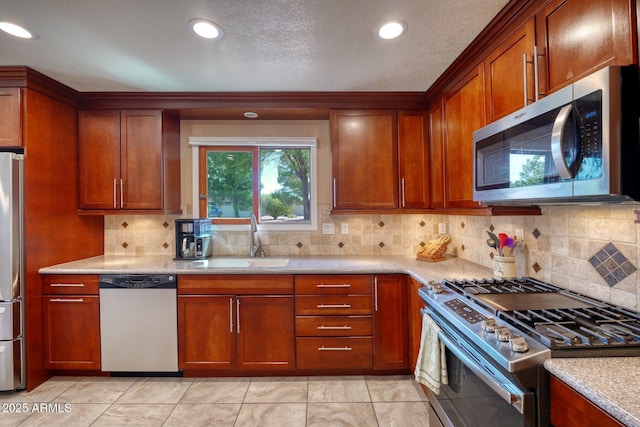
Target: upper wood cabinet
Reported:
point(436, 150)
point(413, 157)
point(10, 117)
point(506, 89)
point(463, 113)
point(364, 159)
point(577, 37)
point(379, 159)
point(129, 160)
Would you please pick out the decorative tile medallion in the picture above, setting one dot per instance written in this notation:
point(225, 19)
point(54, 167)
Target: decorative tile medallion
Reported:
point(381, 244)
point(165, 224)
point(165, 245)
point(381, 224)
point(340, 245)
point(536, 233)
point(536, 267)
point(611, 264)
point(124, 224)
point(462, 224)
point(299, 245)
point(422, 244)
point(422, 223)
point(491, 228)
point(125, 245)
point(462, 247)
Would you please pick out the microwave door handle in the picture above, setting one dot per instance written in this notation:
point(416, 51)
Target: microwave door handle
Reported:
point(557, 135)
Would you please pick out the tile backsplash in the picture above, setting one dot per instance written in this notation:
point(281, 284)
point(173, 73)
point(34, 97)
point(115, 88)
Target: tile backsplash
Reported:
point(559, 245)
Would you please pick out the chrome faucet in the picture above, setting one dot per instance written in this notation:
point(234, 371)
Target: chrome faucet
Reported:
point(254, 239)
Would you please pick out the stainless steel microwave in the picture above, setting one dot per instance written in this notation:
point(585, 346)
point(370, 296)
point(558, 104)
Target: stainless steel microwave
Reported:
point(579, 144)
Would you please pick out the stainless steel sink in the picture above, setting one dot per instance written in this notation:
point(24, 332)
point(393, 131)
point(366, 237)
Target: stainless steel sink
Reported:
point(232, 262)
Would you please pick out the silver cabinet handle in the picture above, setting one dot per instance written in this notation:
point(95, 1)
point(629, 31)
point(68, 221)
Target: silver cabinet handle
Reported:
point(334, 328)
point(557, 135)
point(345, 348)
point(115, 194)
point(121, 193)
point(231, 315)
point(333, 306)
point(334, 192)
point(375, 293)
point(337, 285)
point(67, 285)
point(536, 72)
point(402, 188)
point(526, 82)
point(67, 300)
point(238, 315)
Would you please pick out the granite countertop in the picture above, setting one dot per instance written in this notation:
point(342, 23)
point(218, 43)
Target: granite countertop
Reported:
point(612, 383)
point(451, 268)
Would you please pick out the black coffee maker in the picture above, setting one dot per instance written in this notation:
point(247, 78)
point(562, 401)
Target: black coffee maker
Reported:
point(193, 238)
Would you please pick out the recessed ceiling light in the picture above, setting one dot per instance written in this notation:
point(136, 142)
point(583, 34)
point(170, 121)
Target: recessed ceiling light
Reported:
point(392, 29)
point(17, 30)
point(206, 29)
point(251, 115)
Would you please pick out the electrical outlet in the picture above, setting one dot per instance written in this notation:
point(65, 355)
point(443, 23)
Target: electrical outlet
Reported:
point(442, 228)
point(344, 228)
point(328, 229)
point(520, 234)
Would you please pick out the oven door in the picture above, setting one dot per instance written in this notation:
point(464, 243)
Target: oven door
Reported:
point(479, 394)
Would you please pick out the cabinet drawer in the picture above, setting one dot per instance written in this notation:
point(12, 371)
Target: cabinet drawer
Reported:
point(347, 284)
point(72, 284)
point(334, 353)
point(235, 284)
point(333, 326)
point(333, 304)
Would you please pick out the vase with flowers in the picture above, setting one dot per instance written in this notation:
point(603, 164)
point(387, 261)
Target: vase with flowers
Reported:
point(504, 263)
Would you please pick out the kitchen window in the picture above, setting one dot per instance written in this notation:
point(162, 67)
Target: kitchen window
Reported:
point(271, 178)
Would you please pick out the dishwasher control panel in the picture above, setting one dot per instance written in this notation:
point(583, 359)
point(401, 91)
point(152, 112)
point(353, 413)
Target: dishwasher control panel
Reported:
point(138, 281)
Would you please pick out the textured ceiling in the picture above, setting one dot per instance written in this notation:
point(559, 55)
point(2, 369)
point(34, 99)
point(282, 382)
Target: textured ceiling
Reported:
point(268, 45)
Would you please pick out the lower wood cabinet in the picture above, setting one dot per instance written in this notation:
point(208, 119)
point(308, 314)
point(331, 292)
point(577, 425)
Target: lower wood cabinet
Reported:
point(71, 322)
point(231, 331)
point(570, 409)
point(334, 325)
point(352, 322)
point(390, 322)
point(415, 320)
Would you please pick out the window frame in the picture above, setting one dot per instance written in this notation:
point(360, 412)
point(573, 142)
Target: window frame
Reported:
point(254, 144)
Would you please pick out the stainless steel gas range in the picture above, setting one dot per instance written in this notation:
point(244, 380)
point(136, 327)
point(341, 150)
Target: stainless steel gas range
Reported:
point(497, 333)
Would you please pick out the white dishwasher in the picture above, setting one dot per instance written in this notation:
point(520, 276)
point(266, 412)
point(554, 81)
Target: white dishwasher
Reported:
point(139, 323)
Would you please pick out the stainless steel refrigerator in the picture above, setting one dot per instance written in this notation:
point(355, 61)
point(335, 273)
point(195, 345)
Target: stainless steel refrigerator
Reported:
point(11, 270)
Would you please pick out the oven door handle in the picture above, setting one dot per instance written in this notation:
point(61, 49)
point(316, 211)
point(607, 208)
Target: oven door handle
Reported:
point(508, 391)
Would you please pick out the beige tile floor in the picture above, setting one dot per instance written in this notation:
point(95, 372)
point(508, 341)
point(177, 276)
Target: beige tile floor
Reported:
point(270, 401)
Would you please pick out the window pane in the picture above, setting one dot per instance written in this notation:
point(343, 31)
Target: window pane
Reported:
point(285, 185)
point(229, 184)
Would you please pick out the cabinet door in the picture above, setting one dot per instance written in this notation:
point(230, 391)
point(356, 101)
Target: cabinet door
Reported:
point(464, 113)
point(580, 36)
point(99, 159)
point(413, 159)
point(364, 159)
point(415, 320)
point(390, 323)
point(10, 117)
point(266, 339)
point(509, 79)
point(206, 332)
point(569, 408)
point(71, 326)
point(436, 150)
point(141, 153)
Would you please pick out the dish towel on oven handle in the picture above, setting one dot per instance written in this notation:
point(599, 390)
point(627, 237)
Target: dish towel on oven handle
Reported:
point(431, 366)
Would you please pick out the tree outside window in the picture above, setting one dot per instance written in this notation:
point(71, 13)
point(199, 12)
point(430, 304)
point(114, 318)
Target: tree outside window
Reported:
point(273, 183)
